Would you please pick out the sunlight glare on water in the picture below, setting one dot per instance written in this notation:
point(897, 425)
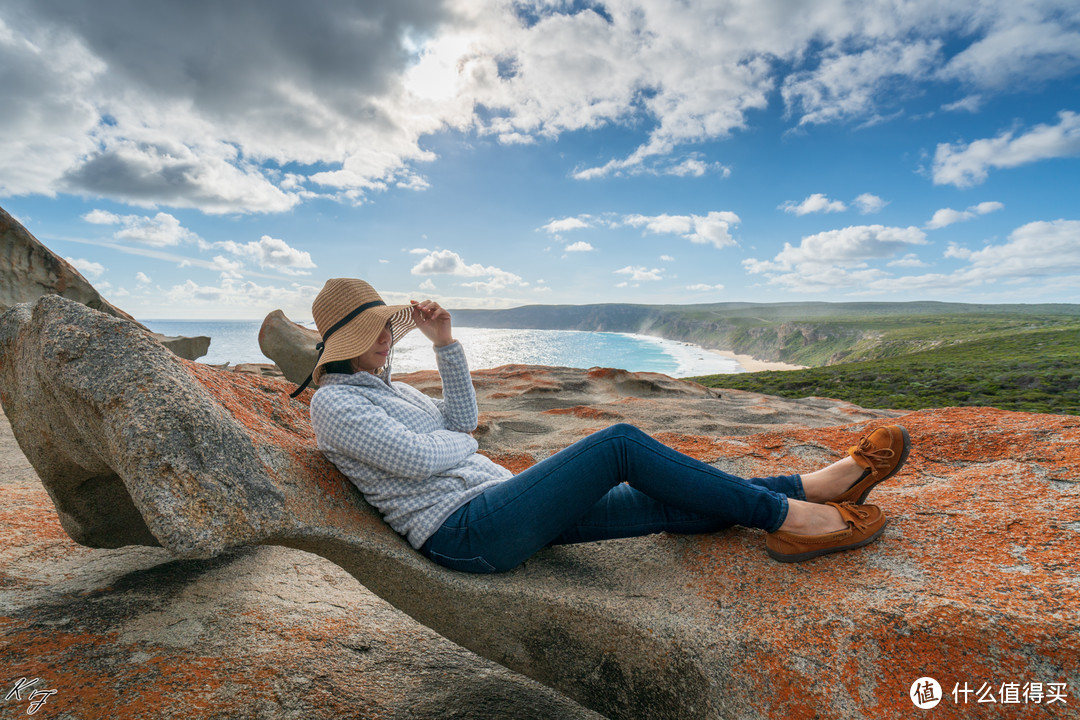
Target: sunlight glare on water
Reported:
point(488, 347)
point(238, 342)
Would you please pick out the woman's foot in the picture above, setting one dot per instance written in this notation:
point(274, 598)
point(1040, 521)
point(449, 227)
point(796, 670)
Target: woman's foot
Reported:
point(874, 459)
point(808, 518)
point(840, 526)
point(830, 482)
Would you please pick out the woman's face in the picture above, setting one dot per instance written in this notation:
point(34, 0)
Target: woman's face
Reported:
point(376, 355)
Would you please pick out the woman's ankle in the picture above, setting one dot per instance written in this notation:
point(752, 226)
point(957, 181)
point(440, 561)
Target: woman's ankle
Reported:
point(829, 482)
point(809, 518)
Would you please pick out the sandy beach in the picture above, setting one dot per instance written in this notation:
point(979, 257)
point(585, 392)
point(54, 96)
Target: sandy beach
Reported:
point(752, 364)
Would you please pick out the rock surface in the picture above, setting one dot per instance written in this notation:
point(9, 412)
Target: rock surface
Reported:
point(291, 346)
point(257, 632)
point(29, 270)
point(976, 579)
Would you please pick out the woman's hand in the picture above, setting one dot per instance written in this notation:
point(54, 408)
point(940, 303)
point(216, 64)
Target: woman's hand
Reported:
point(433, 321)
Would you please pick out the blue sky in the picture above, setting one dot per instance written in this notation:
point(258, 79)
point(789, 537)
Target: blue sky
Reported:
point(222, 160)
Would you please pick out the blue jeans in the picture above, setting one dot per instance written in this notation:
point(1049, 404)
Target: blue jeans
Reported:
point(579, 495)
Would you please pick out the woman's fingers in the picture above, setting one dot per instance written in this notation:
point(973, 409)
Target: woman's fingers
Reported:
point(429, 311)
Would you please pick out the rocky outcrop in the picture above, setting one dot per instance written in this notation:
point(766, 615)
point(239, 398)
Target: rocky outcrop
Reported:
point(29, 270)
point(291, 346)
point(256, 633)
point(973, 582)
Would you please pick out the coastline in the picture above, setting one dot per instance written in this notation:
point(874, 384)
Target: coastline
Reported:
point(752, 364)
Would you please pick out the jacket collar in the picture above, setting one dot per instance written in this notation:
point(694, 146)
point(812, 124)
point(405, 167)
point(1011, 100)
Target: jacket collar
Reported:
point(361, 378)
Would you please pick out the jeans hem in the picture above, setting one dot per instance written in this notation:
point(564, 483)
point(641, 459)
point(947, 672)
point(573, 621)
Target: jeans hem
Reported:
point(782, 515)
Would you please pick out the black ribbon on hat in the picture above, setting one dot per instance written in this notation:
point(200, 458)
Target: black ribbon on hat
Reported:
point(321, 345)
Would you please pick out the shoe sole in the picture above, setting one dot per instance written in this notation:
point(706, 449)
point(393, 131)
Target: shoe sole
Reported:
point(799, 557)
point(903, 459)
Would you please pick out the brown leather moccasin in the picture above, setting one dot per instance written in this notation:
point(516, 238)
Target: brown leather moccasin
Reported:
point(864, 524)
point(882, 453)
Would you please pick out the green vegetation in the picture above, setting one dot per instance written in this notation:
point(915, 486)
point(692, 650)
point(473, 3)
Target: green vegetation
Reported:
point(1007, 367)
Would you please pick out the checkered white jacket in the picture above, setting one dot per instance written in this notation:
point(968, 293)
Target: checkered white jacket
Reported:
point(410, 455)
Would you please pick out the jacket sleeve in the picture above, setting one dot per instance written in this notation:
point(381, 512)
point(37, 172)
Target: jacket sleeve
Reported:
point(458, 403)
point(353, 426)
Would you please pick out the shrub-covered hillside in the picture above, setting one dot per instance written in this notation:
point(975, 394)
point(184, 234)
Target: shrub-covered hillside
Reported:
point(1031, 370)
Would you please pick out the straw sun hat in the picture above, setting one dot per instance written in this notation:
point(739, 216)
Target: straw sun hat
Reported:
point(349, 315)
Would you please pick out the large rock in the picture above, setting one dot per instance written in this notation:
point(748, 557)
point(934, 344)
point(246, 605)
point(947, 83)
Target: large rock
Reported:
point(975, 581)
point(291, 346)
point(29, 270)
point(258, 632)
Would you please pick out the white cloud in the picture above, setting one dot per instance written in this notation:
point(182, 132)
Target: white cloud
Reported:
point(849, 246)
point(845, 86)
point(273, 253)
point(692, 166)
point(836, 259)
point(815, 203)
point(418, 251)
point(714, 228)
point(909, 260)
point(90, 269)
point(1019, 47)
point(428, 285)
point(579, 246)
point(566, 224)
point(966, 165)
point(667, 258)
point(1033, 251)
point(947, 216)
point(970, 103)
point(162, 230)
point(1041, 253)
point(142, 278)
point(102, 217)
point(689, 167)
point(703, 287)
point(228, 268)
point(413, 182)
point(868, 203)
point(122, 100)
point(447, 262)
point(244, 299)
point(638, 274)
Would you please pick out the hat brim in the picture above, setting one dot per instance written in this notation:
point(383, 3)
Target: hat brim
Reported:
point(357, 337)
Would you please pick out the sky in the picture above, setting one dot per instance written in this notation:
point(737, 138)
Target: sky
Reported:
point(203, 159)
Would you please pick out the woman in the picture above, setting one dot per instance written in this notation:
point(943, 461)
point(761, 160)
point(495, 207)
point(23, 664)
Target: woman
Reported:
point(413, 458)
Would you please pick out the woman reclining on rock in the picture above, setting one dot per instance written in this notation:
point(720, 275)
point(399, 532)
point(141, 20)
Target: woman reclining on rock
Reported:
point(413, 459)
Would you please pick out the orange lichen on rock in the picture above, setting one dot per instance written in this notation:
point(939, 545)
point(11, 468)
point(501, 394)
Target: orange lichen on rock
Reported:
point(696, 446)
point(514, 462)
point(980, 553)
point(585, 412)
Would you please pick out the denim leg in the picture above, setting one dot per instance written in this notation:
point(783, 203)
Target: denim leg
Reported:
point(626, 512)
point(509, 522)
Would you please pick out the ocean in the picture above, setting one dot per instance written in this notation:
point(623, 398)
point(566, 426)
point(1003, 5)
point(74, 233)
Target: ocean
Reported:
point(237, 341)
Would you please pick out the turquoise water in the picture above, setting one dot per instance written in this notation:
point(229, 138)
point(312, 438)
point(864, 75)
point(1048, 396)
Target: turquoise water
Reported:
point(238, 341)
